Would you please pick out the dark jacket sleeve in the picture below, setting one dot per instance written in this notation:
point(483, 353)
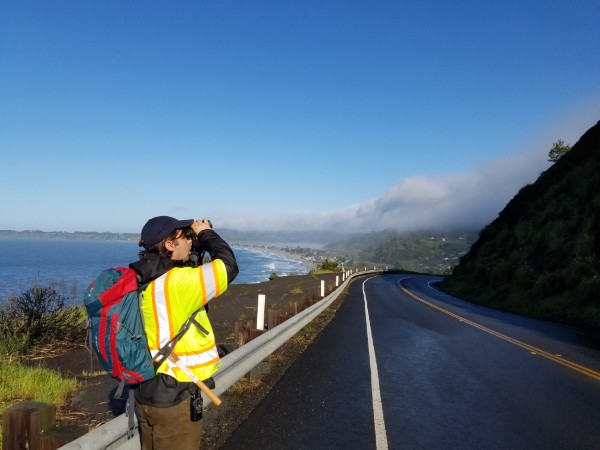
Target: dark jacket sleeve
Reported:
point(219, 249)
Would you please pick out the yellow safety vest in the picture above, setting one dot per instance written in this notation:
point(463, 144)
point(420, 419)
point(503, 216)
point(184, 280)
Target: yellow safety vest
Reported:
point(168, 301)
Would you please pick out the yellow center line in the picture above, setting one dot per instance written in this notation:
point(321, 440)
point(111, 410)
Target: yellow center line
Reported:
point(556, 358)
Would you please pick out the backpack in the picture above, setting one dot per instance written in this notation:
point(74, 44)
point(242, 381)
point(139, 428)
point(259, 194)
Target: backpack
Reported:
point(117, 329)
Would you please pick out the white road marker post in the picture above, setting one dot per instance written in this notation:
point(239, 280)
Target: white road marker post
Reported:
point(322, 288)
point(260, 312)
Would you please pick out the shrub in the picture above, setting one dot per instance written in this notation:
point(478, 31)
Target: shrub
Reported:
point(545, 285)
point(329, 265)
point(39, 315)
point(588, 292)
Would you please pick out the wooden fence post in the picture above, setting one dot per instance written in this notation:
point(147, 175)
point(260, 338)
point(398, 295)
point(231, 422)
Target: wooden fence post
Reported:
point(272, 318)
point(31, 425)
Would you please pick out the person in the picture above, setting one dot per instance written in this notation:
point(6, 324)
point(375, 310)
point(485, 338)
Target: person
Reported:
point(172, 291)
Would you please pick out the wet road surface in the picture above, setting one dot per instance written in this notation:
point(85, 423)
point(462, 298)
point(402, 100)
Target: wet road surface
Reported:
point(449, 374)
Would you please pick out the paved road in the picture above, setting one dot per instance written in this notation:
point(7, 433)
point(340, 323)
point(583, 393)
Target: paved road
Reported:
point(448, 375)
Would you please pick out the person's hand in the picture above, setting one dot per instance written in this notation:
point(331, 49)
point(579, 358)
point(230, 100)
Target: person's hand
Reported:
point(201, 224)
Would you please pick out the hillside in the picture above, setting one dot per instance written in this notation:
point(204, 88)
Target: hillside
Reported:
point(540, 256)
point(418, 252)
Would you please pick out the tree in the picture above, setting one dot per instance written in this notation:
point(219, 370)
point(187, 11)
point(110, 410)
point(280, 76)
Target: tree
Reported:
point(329, 265)
point(559, 148)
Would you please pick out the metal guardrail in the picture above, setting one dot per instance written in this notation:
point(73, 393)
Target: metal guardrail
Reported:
point(235, 365)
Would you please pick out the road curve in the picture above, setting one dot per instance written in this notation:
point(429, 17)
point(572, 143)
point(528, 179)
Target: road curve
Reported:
point(441, 372)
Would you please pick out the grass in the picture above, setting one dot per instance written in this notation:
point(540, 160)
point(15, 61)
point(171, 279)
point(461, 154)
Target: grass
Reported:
point(322, 271)
point(245, 384)
point(296, 290)
point(305, 336)
point(19, 382)
point(94, 374)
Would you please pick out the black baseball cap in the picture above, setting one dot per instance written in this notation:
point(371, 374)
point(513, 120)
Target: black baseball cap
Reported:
point(158, 228)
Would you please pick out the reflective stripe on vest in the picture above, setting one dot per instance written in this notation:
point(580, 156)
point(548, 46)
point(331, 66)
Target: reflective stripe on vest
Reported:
point(169, 301)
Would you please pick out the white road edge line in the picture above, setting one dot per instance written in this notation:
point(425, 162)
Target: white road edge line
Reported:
point(380, 433)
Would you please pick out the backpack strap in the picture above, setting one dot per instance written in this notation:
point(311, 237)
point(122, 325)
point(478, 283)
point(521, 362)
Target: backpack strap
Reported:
point(129, 407)
point(168, 348)
point(192, 320)
point(119, 392)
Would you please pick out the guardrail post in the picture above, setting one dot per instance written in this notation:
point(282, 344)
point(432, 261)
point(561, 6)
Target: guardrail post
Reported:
point(31, 425)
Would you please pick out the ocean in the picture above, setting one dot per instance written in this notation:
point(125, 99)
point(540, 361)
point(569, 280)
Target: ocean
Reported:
point(71, 265)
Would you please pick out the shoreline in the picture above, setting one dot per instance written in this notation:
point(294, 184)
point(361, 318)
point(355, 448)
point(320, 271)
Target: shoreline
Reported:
point(71, 274)
point(309, 261)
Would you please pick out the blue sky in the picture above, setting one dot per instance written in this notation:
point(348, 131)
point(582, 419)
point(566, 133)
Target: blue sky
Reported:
point(353, 115)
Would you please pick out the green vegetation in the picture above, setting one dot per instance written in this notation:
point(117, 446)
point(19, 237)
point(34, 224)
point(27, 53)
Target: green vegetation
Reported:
point(18, 383)
point(423, 252)
point(559, 148)
point(38, 316)
point(246, 384)
point(296, 290)
point(318, 272)
point(540, 256)
point(305, 336)
point(329, 265)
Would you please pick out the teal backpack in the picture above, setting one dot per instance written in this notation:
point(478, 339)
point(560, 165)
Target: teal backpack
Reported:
point(117, 329)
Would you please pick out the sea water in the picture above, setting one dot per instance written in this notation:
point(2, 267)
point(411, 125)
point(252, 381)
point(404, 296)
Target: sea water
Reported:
point(71, 265)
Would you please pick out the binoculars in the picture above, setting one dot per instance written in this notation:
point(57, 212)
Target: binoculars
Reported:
point(197, 255)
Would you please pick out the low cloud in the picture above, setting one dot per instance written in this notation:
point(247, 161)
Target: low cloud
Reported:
point(468, 200)
point(463, 200)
